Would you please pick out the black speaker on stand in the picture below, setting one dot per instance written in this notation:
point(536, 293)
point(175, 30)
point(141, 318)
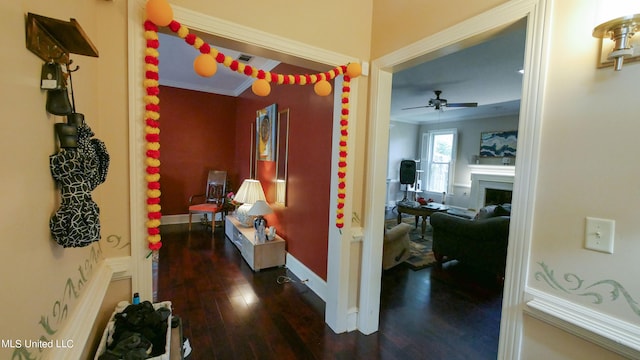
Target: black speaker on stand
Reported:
point(407, 175)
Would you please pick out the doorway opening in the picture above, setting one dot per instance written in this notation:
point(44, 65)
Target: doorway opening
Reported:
point(464, 76)
point(469, 32)
point(330, 290)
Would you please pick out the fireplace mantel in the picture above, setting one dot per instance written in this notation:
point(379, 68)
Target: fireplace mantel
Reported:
point(493, 170)
point(485, 177)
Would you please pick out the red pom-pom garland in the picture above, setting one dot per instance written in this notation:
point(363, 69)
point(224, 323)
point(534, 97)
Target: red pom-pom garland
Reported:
point(151, 136)
point(151, 105)
point(205, 49)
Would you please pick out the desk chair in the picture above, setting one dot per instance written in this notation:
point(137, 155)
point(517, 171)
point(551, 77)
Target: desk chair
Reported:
point(213, 197)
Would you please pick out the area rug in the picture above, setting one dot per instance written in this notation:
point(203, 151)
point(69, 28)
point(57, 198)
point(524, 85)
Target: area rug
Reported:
point(421, 254)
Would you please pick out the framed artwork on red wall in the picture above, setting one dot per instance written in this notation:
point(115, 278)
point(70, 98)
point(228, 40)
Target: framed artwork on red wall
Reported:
point(266, 120)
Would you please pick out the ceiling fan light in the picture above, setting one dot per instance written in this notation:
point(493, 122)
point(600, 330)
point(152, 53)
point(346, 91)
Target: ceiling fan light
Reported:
point(440, 104)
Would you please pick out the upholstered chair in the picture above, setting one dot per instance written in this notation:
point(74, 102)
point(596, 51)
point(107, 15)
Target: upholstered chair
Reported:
point(396, 245)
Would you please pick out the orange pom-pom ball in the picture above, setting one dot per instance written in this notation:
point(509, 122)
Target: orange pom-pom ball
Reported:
point(159, 12)
point(354, 70)
point(322, 88)
point(205, 65)
point(261, 87)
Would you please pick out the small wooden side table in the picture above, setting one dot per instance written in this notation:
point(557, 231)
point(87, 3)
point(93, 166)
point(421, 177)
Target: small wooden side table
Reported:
point(420, 211)
point(259, 255)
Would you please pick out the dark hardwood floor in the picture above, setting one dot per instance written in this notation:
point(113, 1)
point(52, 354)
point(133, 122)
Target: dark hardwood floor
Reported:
point(230, 312)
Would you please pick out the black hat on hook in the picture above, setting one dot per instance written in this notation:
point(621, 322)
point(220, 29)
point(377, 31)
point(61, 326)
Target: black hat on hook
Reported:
point(52, 80)
point(67, 135)
point(75, 119)
point(58, 102)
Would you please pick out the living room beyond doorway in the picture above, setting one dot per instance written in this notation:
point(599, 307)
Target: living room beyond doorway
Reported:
point(408, 119)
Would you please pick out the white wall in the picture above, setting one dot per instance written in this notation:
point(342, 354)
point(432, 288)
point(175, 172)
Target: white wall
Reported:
point(469, 141)
point(405, 143)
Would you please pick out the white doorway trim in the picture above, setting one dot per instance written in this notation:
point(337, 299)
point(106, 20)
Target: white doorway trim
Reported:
point(142, 282)
point(382, 70)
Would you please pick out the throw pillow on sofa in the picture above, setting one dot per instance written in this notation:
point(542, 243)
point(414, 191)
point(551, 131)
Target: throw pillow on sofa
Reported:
point(490, 211)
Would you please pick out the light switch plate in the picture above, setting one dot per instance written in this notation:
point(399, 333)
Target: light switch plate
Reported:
point(599, 235)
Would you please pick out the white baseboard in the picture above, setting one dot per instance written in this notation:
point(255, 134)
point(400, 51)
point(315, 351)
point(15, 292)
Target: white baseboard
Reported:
point(352, 319)
point(314, 282)
point(357, 233)
point(176, 219)
point(74, 335)
point(599, 328)
point(184, 218)
point(121, 267)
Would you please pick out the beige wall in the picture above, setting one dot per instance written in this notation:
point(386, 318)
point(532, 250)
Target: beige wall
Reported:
point(110, 85)
point(43, 282)
point(399, 23)
point(588, 168)
point(547, 342)
point(341, 26)
point(118, 290)
point(36, 270)
point(590, 127)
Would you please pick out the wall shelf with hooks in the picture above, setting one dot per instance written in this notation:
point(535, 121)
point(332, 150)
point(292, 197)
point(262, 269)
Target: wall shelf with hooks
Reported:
point(53, 40)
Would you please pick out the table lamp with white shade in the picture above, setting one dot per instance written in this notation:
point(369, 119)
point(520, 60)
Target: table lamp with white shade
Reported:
point(259, 209)
point(249, 193)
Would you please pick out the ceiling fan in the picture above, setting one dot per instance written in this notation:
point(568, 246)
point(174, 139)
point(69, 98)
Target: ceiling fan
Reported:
point(439, 103)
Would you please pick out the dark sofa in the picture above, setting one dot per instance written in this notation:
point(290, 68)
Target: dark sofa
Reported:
point(480, 243)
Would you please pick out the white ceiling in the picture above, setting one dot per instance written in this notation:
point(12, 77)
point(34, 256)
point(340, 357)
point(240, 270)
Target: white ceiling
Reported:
point(176, 68)
point(486, 73)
